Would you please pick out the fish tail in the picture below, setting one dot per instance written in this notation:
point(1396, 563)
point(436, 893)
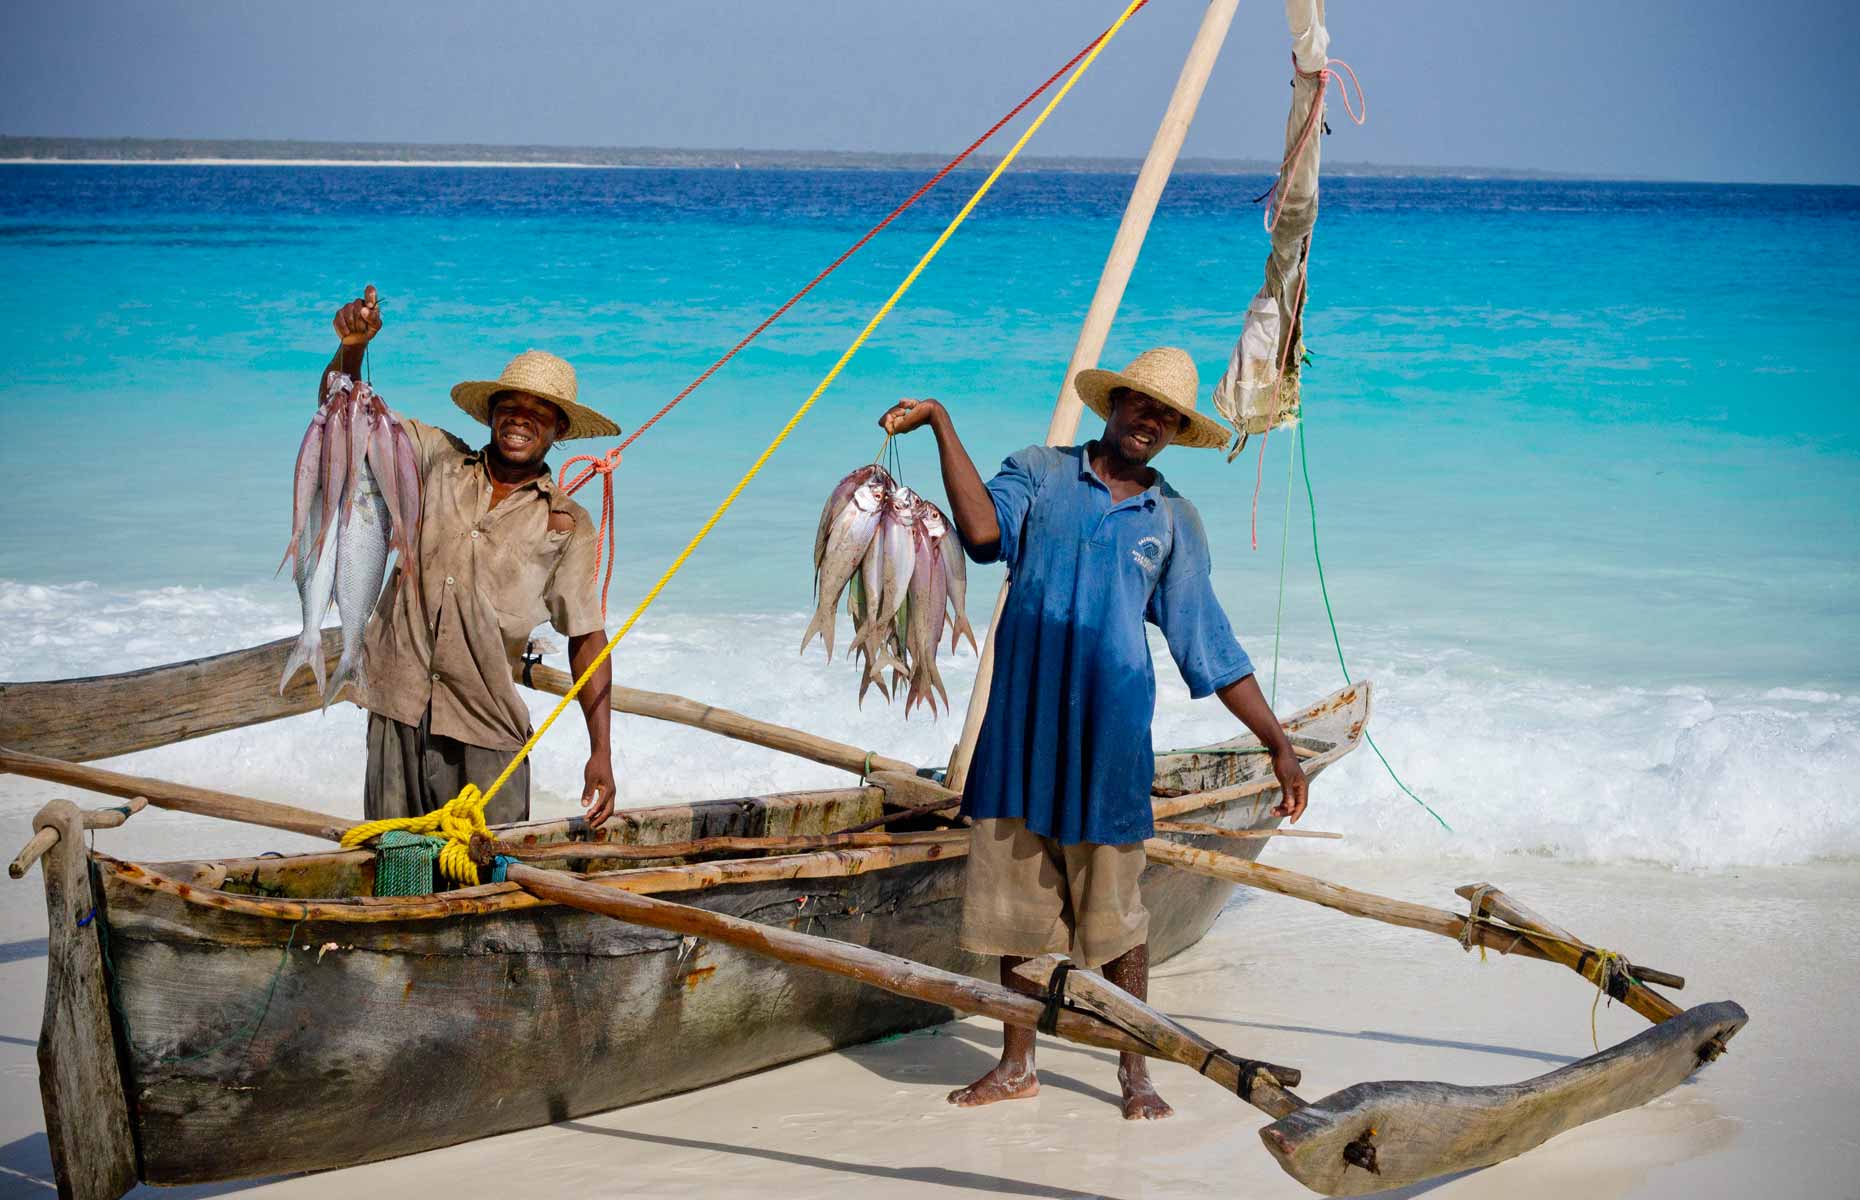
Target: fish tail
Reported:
point(346, 670)
point(308, 652)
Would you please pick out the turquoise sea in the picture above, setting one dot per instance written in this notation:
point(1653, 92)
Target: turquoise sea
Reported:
point(1586, 456)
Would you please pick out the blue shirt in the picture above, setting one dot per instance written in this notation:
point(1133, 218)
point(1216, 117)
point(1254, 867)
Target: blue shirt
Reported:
point(1065, 745)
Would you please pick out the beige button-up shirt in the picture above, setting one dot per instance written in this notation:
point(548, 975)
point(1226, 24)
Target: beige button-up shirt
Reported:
point(488, 577)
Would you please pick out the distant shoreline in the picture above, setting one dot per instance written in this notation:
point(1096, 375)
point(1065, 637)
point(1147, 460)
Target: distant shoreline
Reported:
point(215, 152)
point(309, 162)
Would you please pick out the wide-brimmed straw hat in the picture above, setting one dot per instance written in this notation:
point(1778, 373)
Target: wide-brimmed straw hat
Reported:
point(1166, 374)
point(540, 374)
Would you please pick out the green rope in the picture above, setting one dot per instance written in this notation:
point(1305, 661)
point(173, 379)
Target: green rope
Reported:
point(1337, 641)
point(1285, 540)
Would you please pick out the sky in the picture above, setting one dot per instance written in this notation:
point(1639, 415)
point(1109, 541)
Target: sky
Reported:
point(1670, 89)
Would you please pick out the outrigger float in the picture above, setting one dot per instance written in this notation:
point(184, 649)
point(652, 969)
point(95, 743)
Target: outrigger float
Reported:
point(220, 1019)
point(210, 1020)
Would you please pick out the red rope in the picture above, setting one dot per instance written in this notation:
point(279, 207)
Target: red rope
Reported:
point(604, 465)
point(1287, 172)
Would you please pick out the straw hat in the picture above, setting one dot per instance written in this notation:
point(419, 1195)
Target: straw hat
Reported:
point(1166, 374)
point(540, 374)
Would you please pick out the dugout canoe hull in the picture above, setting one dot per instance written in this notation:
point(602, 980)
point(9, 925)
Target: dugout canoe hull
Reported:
point(389, 1027)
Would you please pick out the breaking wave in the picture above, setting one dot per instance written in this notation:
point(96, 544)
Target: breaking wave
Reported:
point(1689, 777)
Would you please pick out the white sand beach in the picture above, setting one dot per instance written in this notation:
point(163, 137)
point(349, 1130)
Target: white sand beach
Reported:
point(1345, 1000)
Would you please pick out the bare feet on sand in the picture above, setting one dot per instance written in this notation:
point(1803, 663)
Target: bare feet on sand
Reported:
point(1141, 1103)
point(1002, 1083)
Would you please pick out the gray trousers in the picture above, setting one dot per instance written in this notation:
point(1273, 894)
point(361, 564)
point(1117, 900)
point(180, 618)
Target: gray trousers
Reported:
point(412, 771)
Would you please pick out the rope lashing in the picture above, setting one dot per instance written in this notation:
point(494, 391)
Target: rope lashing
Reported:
point(603, 465)
point(1475, 914)
point(1247, 1071)
point(463, 815)
point(1288, 166)
point(1055, 997)
point(873, 232)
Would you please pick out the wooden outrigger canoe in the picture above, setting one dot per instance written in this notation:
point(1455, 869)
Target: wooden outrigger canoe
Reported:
point(219, 1019)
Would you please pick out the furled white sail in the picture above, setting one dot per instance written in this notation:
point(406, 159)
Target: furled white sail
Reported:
point(1259, 389)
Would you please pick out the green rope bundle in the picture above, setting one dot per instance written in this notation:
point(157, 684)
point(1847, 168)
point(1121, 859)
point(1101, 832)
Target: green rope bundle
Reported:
point(404, 865)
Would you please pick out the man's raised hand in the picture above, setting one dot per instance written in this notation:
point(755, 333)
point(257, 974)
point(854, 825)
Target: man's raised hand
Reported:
point(907, 415)
point(359, 320)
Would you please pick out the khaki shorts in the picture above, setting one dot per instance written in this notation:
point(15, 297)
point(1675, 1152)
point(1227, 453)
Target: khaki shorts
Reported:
point(1028, 895)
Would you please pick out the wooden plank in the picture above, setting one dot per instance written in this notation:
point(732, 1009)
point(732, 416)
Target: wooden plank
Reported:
point(1334, 896)
point(889, 972)
point(1568, 952)
point(663, 706)
point(80, 1081)
point(1171, 1039)
point(1416, 1131)
point(102, 716)
point(180, 797)
point(44, 839)
point(1507, 908)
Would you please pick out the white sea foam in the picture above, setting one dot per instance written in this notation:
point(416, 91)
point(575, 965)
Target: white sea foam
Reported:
point(1687, 777)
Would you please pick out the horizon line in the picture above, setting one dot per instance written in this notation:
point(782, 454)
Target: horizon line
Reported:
point(35, 149)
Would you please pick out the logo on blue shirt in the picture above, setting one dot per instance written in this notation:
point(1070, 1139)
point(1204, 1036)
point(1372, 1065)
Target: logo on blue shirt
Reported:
point(1149, 554)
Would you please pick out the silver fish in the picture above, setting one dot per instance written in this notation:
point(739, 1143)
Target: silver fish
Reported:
point(361, 565)
point(847, 542)
point(315, 576)
point(355, 497)
point(924, 614)
point(837, 499)
point(956, 584)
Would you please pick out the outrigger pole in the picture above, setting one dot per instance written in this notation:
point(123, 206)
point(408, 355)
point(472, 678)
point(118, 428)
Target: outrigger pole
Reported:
point(1151, 180)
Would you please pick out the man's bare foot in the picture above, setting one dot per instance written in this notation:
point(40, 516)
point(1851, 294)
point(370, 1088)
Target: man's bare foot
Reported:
point(1004, 1082)
point(1141, 1103)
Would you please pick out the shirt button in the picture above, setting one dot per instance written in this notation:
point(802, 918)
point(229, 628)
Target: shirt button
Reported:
point(448, 581)
point(474, 533)
point(435, 675)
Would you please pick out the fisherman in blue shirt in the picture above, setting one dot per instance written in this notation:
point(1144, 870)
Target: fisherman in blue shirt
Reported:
point(1096, 544)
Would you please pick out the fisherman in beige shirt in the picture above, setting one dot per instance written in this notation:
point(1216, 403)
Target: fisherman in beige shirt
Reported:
point(501, 549)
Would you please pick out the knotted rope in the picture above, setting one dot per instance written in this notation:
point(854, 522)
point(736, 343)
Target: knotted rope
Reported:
point(603, 465)
point(463, 815)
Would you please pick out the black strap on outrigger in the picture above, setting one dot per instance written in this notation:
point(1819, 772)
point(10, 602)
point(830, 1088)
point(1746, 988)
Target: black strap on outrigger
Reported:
point(1055, 997)
point(1248, 1068)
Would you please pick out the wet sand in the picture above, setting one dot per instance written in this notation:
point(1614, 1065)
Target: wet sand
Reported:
point(1346, 1000)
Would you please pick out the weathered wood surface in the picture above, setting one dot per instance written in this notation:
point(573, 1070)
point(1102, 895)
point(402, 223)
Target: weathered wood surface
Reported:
point(1197, 827)
point(407, 1034)
point(1168, 1038)
point(179, 797)
point(874, 968)
point(97, 818)
point(1566, 951)
point(398, 1025)
point(484, 849)
point(80, 1081)
point(663, 706)
point(102, 716)
point(1507, 908)
point(1421, 1130)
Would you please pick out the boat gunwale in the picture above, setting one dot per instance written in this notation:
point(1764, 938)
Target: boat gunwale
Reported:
point(490, 898)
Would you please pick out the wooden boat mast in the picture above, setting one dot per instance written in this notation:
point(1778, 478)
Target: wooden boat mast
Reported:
point(1063, 429)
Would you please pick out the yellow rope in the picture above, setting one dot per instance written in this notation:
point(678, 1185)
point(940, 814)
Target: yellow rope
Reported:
point(463, 815)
